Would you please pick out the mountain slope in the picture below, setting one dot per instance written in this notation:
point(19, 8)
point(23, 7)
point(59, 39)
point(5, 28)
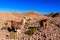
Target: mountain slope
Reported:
point(33, 14)
point(7, 16)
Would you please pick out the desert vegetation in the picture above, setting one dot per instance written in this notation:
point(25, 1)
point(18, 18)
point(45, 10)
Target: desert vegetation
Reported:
point(31, 31)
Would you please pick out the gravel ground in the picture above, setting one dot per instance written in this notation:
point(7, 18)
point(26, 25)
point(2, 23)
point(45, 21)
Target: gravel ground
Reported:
point(50, 33)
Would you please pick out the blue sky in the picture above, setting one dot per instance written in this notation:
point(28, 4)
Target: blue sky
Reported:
point(41, 6)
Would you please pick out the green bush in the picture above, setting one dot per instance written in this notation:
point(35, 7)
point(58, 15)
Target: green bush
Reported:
point(4, 27)
point(31, 31)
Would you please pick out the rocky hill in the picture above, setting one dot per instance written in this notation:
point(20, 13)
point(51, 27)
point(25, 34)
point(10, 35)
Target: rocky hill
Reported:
point(30, 14)
point(52, 32)
point(33, 14)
